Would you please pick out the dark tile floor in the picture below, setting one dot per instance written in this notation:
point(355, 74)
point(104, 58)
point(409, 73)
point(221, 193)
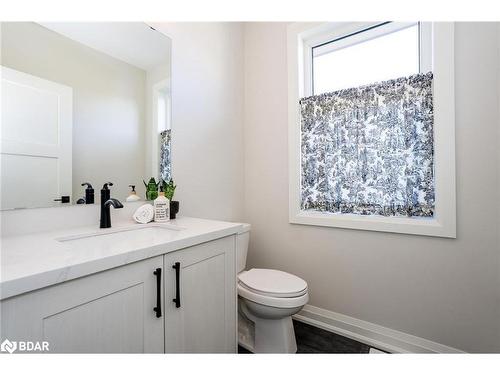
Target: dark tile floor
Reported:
point(315, 340)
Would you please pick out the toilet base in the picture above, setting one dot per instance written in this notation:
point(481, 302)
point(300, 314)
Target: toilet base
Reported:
point(246, 332)
point(265, 335)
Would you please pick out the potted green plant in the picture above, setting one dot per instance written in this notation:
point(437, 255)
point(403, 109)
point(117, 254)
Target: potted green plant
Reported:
point(169, 194)
point(151, 189)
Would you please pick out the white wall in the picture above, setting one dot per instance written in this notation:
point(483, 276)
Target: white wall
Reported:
point(445, 290)
point(207, 120)
point(108, 104)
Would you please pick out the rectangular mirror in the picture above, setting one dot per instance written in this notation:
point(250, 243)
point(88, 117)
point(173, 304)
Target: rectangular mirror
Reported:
point(82, 102)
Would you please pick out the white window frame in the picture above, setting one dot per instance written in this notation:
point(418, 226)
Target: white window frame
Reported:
point(437, 55)
point(158, 89)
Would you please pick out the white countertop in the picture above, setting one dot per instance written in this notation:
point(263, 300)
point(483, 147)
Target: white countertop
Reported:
point(33, 261)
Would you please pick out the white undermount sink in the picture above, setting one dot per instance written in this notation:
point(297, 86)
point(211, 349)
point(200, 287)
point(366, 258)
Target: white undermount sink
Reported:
point(137, 231)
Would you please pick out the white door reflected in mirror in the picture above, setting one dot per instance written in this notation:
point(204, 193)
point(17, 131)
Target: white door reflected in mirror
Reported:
point(36, 141)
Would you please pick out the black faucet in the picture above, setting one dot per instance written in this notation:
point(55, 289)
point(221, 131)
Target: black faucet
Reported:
point(89, 195)
point(107, 201)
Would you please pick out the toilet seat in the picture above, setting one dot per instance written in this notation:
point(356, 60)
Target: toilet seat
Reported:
point(272, 288)
point(272, 283)
point(283, 302)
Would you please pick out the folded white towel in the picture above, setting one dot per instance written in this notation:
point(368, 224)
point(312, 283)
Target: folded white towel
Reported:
point(144, 214)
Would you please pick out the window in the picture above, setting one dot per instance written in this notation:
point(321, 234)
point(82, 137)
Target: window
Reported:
point(163, 109)
point(164, 132)
point(380, 156)
point(375, 54)
point(161, 130)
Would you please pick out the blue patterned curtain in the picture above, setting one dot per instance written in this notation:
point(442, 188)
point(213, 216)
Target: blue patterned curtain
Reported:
point(165, 155)
point(369, 150)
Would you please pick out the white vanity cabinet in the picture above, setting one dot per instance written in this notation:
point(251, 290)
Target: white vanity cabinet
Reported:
point(107, 312)
point(113, 311)
point(200, 298)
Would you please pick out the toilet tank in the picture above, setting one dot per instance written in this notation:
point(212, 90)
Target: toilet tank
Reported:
point(242, 239)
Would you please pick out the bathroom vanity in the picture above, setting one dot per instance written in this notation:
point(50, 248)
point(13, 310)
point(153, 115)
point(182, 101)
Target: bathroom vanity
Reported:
point(83, 111)
point(131, 288)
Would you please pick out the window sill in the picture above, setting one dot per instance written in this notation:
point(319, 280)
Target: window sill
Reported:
point(416, 225)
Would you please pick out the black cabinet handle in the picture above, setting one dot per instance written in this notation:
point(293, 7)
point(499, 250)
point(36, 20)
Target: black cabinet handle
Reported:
point(177, 299)
point(157, 309)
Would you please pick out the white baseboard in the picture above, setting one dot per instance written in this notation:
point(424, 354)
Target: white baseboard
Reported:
point(371, 334)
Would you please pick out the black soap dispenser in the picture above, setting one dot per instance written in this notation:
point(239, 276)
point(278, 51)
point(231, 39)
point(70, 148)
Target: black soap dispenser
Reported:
point(89, 193)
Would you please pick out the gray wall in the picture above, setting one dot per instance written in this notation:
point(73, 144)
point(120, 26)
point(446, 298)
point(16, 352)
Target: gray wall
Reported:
point(445, 290)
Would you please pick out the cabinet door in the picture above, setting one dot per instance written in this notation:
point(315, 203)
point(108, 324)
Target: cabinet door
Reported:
point(205, 319)
point(107, 312)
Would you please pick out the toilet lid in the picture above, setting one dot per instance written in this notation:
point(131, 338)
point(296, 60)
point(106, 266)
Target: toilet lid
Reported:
point(273, 282)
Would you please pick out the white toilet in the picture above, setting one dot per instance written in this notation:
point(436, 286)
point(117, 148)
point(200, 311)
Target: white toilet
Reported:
point(267, 299)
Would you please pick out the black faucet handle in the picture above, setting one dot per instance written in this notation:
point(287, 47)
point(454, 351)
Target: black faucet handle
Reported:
point(113, 202)
point(105, 186)
point(88, 184)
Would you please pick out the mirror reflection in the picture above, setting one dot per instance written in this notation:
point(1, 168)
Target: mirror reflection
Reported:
point(82, 104)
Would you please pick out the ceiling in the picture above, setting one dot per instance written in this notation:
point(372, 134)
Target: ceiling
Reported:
point(135, 43)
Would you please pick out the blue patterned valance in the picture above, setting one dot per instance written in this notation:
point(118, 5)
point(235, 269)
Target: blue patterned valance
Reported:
point(369, 150)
